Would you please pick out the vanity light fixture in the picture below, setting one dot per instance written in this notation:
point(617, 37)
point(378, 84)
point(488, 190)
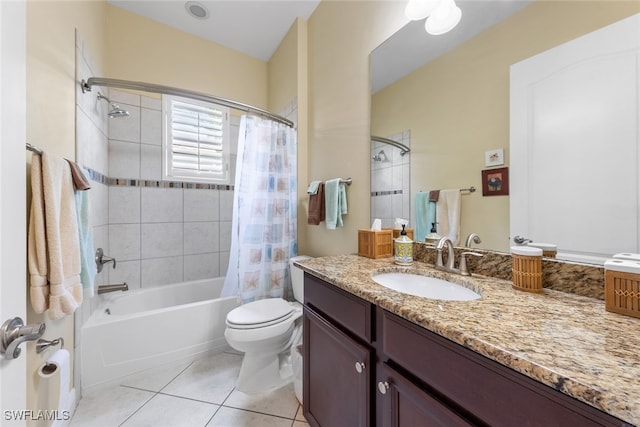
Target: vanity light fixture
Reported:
point(442, 15)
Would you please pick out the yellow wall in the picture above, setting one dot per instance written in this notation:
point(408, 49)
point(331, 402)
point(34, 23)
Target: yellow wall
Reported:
point(341, 36)
point(457, 107)
point(140, 49)
point(51, 90)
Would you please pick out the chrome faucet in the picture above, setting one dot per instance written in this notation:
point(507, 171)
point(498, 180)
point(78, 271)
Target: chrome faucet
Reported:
point(103, 289)
point(450, 267)
point(473, 237)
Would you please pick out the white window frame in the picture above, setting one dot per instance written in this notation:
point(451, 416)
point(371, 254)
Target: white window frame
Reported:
point(171, 173)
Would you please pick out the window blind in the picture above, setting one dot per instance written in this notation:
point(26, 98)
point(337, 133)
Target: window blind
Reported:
point(197, 140)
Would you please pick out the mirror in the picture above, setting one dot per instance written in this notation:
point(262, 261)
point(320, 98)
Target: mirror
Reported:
point(455, 107)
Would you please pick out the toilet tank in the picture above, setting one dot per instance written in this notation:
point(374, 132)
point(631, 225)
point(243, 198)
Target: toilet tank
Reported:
point(297, 278)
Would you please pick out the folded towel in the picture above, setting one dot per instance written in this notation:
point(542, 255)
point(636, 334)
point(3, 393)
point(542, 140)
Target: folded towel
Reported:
point(316, 206)
point(425, 215)
point(88, 269)
point(313, 187)
point(53, 245)
point(335, 195)
point(434, 195)
point(80, 181)
point(448, 215)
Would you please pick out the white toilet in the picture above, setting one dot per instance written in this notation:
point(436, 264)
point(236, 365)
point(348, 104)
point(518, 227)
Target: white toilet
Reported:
point(265, 331)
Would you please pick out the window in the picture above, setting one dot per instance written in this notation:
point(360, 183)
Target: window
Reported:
point(196, 141)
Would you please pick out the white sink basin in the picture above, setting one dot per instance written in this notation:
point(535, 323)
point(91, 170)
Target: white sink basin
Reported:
point(425, 286)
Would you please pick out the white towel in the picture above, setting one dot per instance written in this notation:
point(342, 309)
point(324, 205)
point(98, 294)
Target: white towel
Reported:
point(448, 215)
point(53, 249)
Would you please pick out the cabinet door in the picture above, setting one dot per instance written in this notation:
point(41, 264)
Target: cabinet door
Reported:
point(405, 405)
point(336, 375)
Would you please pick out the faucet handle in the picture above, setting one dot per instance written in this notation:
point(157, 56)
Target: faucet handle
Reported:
point(463, 262)
point(101, 259)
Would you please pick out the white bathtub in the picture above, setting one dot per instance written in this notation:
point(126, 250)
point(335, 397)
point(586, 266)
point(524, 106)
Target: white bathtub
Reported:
point(137, 330)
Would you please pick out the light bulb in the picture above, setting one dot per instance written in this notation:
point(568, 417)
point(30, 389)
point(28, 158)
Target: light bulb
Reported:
point(420, 9)
point(444, 18)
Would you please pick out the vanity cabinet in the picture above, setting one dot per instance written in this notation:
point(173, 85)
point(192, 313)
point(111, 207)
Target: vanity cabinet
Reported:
point(337, 356)
point(365, 366)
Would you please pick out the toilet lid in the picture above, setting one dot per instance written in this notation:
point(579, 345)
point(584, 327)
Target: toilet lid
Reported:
point(260, 313)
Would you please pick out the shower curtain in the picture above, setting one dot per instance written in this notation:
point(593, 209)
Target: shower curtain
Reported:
point(264, 225)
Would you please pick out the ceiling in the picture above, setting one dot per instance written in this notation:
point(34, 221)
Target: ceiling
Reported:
point(253, 27)
point(411, 47)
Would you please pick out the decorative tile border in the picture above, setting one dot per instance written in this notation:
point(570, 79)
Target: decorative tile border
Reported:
point(123, 182)
point(385, 193)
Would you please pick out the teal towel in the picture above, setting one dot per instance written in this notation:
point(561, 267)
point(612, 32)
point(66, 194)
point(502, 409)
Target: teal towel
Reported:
point(335, 197)
point(425, 215)
point(88, 269)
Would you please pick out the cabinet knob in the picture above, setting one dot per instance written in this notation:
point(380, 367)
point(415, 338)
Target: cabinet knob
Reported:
point(359, 367)
point(383, 387)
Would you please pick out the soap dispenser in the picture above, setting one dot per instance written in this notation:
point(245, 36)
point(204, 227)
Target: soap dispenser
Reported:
point(433, 237)
point(403, 248)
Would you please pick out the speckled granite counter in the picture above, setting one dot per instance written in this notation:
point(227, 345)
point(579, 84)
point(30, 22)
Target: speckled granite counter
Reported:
point(566, 341)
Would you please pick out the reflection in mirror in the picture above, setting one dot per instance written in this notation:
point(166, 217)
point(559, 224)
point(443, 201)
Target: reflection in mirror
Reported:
point(456, 105)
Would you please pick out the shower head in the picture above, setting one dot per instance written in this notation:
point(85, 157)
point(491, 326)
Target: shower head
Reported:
point(116, 111)
point(380, 157)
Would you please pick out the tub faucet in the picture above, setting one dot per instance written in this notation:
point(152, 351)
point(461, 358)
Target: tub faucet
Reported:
point(103, 289)
point(472, 238)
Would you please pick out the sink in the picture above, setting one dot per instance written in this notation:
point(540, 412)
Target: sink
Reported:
point(425, 286)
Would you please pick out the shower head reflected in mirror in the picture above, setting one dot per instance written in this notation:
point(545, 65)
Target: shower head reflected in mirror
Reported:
point(380, 157)
point(116, 111)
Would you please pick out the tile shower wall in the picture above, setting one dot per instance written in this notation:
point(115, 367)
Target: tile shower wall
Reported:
point(158, 233)
point(390, 189)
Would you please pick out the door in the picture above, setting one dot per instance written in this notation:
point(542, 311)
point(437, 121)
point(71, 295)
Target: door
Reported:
point(336, 376)
point(574, 137)
point(13, 373)
point(405, 405)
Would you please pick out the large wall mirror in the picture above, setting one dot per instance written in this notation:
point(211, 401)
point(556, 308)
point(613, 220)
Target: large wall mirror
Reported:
point(453, 107)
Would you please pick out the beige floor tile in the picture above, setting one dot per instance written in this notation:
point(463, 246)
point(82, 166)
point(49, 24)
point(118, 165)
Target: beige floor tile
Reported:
point(210, 379)
point(281, 402)
point(299, 414)
point(229, 417)
point(168, 411)
point(155, 379)
point(109, 407)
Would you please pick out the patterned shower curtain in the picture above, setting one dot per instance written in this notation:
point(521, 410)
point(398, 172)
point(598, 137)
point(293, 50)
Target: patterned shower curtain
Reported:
point(264, 226)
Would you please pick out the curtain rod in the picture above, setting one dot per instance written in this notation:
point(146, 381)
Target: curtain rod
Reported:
point(168, 90)
point(396, 144)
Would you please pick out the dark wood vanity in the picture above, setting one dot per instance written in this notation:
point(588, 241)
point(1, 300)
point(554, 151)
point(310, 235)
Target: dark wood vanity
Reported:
point(365, 366)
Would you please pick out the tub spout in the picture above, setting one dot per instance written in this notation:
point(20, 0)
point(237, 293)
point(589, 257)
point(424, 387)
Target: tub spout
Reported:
point(103, 289)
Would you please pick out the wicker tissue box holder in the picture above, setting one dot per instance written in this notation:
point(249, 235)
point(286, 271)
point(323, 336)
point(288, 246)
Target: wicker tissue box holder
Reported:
point(527, 268)
point(375, 244)
point(622, 287)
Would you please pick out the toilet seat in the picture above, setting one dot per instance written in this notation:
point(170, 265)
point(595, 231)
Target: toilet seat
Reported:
point(260, 314)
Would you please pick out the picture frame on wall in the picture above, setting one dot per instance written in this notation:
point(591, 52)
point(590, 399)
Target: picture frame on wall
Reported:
point(495, 182)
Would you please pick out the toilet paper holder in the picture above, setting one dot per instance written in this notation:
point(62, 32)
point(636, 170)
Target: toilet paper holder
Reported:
point(42, 344)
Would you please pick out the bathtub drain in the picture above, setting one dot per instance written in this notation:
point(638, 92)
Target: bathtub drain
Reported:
point(107, 311)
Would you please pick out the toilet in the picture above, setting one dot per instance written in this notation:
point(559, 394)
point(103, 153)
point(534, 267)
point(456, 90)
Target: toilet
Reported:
point(265, 331)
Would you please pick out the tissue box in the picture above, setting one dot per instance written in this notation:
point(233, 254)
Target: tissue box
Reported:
point(622, 287)
point(375, 244)
point(396, 232)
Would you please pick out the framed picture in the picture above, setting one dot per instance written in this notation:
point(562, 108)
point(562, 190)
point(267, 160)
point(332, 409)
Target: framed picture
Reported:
point(494, 157)
point(495, 182)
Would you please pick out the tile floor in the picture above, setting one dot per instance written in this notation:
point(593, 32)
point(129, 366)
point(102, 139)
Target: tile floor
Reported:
point(190, 394)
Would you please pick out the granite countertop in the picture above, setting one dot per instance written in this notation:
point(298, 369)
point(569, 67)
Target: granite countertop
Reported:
point(566, 341)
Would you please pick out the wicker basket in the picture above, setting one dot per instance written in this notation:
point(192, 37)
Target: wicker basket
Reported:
point(375, 244)
point(527, 269)
point(622, 288)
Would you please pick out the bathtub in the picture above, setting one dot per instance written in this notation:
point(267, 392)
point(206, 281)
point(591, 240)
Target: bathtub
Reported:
point(141, 329)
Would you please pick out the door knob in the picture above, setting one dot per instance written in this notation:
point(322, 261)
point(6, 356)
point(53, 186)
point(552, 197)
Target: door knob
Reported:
point(359, 367)
point(383, 386)
point(14, 332)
